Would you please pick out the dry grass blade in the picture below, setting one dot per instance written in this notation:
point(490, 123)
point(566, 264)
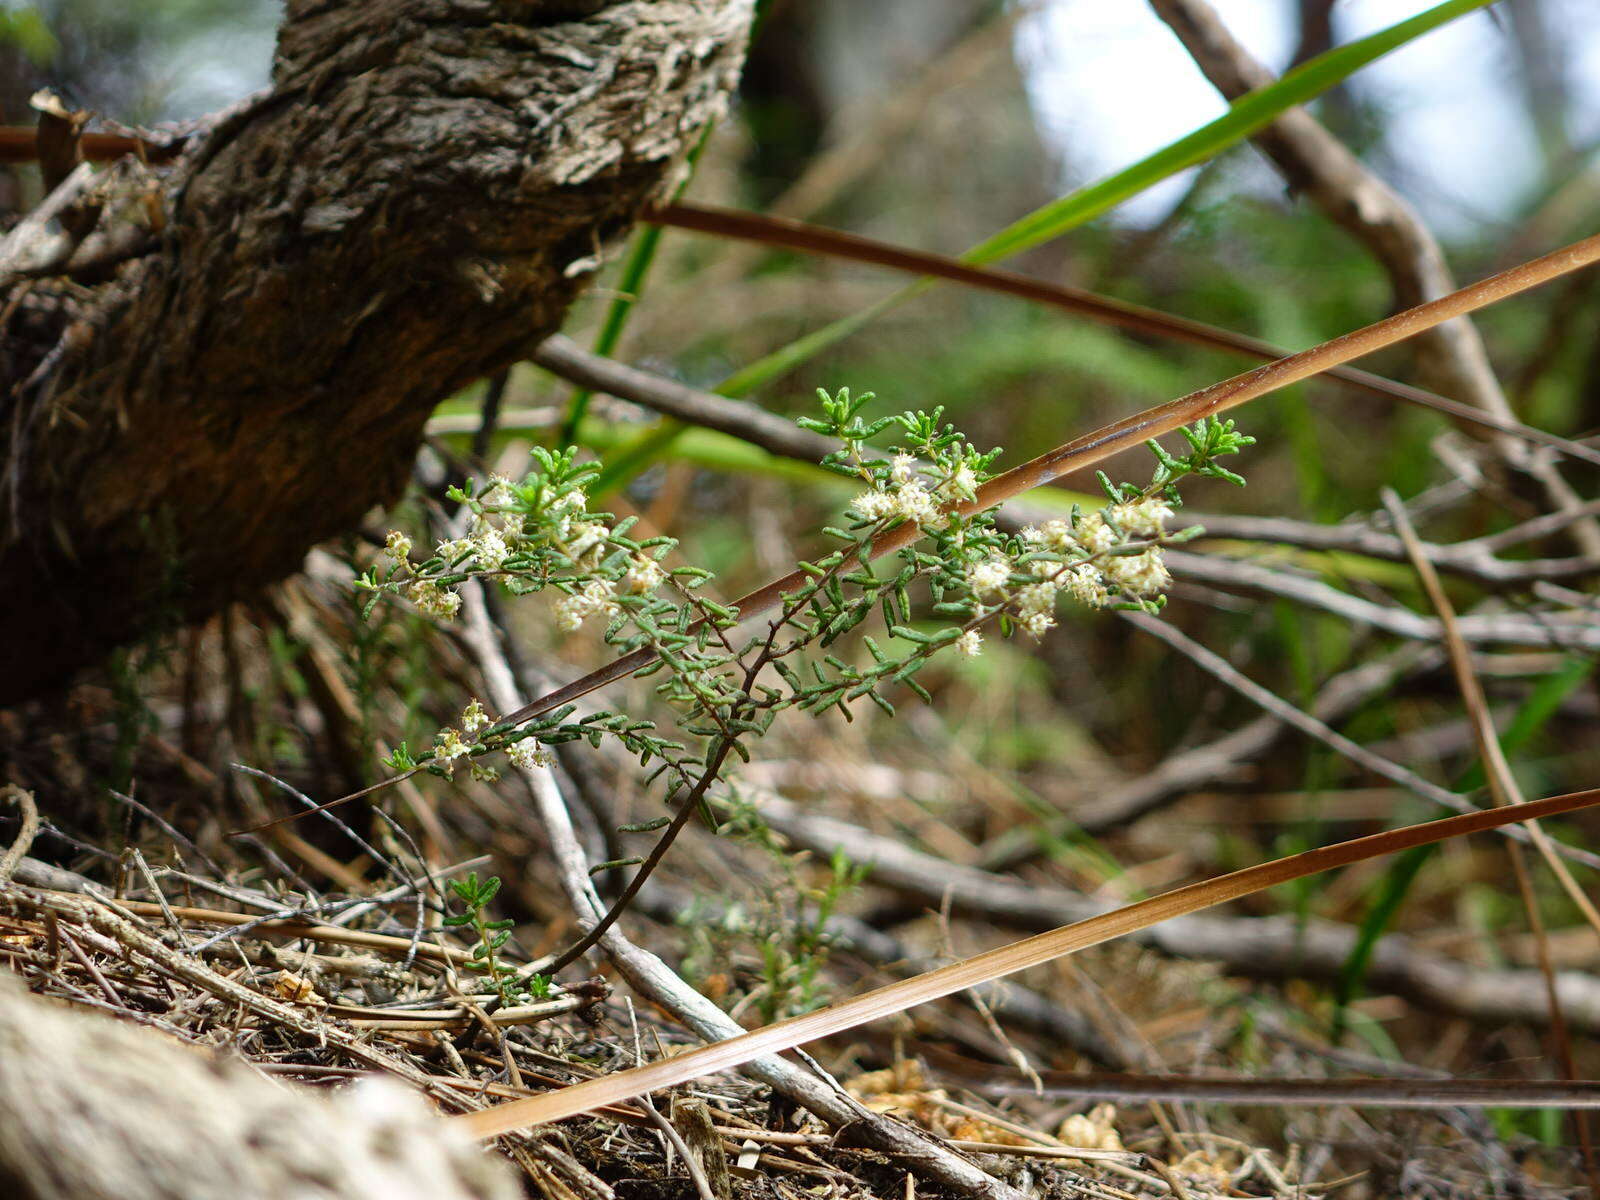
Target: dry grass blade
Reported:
point(20, 143)
point(994, 964)
point(1309, 1093)
point(1096, 447)
point(1135, 318)
point(295, 928)
point(1502, 783)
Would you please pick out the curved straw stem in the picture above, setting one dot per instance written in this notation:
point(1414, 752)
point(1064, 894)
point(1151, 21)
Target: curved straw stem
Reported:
point(993, 964)
point(1096, 447)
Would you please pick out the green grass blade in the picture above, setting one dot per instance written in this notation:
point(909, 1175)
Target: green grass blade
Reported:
point(1392, 889)
point(787, 358)
point(641, 256)
point(1541, 705)
point(1245, 116)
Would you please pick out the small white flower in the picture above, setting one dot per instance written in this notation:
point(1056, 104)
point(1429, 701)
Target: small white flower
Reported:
point(601, 595)
point(968, 643)
point(916, 504)
point(1085, 585)
point(498, 494)
point(1141, 574)
point(448, 747)
point(874, 506)
point(527, 754)
point(903, 469)
point(585, 536)
point(1037, 598)
point(570, 612)
point(644, 575)
point(452, 550)
point(1059, 536)
point(597, 596)
point(988, 578)
point(490, 548)
point(1144, 518)
point(432, 600)
point(397, 548)
point(1094, 535)
point(962, 484)
point(1034, 624)
point(473, 718)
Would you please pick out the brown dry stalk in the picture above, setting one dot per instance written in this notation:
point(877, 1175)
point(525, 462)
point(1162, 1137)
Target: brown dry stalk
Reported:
point(1506, 791)
point(1366, 1091)
point(994, 964)
point(20, 143)
point(1497, 771)
point(297, 928)
point(1096, 447)
point(1135, 318)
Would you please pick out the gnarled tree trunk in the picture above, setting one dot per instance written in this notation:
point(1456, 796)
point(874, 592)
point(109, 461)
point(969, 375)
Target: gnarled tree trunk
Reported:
point(422, 192)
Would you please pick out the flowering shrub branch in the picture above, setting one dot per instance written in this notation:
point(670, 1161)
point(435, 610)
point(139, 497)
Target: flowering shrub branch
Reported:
point(728, 680)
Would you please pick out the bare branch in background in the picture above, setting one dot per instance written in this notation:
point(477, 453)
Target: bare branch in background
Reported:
point(1313, 161)
point(1187, 770)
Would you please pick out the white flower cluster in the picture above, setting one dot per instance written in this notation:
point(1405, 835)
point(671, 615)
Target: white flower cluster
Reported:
point(449, 744)
point(597, 597)
point(499, 531)
point(432, 599)
point(527, 755)
point(1095, 573)
point(989, 578)
point(644, 576)
point(447, 747)
point(911, 491)
point(452, 744)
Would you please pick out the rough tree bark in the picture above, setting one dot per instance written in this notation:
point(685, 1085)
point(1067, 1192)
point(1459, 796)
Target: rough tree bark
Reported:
point(420, 195)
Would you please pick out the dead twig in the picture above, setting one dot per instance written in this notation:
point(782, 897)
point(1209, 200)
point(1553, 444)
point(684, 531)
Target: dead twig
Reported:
point(1301, 1093)
point(1502, 782)
point(1318, 165)
point(1124, 803)
point(1217, 666)
point(1568, 630)
point(26, 832)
